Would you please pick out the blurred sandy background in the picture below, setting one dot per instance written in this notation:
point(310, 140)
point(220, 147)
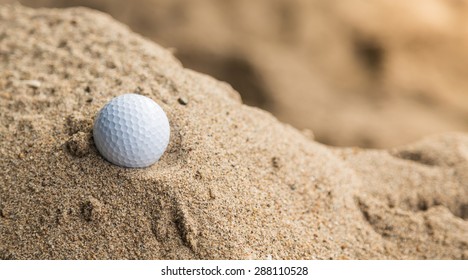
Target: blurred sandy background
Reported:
point(367, 73)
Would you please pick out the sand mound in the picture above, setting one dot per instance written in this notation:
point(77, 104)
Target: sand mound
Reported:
point(235, 183)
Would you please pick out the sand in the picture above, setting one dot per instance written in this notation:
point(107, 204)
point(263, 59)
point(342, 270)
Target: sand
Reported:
point(235, 183)
point(353, 72)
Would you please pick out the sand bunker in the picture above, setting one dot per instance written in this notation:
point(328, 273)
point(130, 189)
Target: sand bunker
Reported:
point(235, 183)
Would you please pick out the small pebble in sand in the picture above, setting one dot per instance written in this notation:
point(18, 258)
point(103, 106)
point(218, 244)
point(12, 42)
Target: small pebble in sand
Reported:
point(33, 83)
point(182, 101)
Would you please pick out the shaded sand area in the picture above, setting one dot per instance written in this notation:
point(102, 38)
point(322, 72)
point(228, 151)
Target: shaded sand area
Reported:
point(234, 183)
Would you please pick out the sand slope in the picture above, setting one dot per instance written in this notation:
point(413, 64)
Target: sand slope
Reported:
point(235, 183)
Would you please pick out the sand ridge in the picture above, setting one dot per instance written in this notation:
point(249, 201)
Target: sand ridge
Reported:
point(234, 183)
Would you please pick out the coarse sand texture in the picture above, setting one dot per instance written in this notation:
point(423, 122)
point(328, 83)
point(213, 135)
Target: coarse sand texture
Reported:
point(234, 183)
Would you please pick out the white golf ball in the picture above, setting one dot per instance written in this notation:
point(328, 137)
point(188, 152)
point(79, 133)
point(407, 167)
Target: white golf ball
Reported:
point(131, 131)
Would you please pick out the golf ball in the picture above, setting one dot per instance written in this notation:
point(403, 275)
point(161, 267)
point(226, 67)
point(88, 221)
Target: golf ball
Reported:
point(131, 131)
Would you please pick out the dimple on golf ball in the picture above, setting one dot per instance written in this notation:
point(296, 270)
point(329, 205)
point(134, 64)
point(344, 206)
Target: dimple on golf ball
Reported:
point(131, 131)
